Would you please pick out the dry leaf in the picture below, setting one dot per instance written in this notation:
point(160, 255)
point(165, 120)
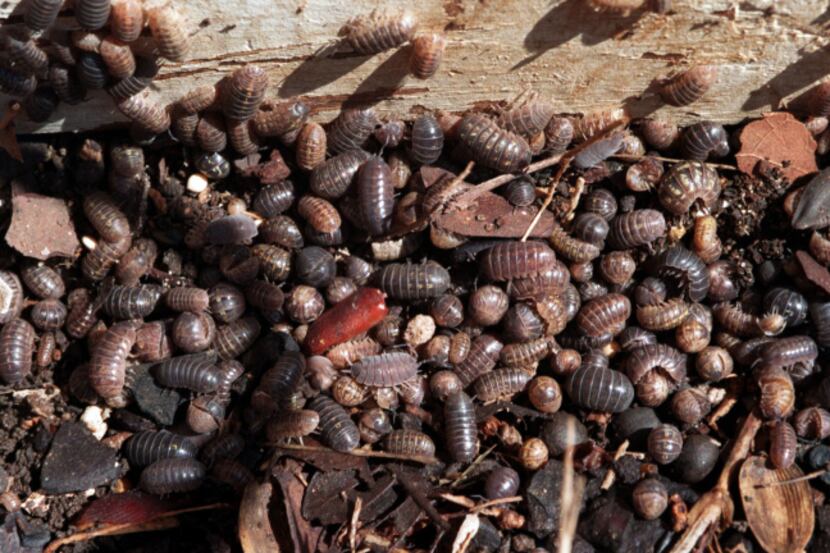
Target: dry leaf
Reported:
point(778, 139)
point(492, 216)
point(255, 533)
point(780, 515)
point(304, 536)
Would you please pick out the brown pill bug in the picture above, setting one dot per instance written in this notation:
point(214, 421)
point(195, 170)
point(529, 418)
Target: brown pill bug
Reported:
point(351, 129)
point(460, 345)
point(137, 262)
point(650, 498)
point(522, 323)
point(92, 14)
point(211, 133)
point(48, 314)
point(193, 332)
point(346, 354)
point(705, 241)
point(686, 269)
point(275, 262)
point(337, 430)
point(603, 315)
point(224, 446)
point(733, 319)
point(492, 146)
point(242, 137)
point(665, 442)
point(265, 296)
point(233, 229)
point(662, 316)
point(782, 445)
point(460, 430)
point(544, 394)
point(600, 389)
point(199, 99)
point(702, 140)
point(688, 184)
point(311, 146)
point(522, 354)
point(332, 178)
point(655, 371)
point(304, 304)
point(193, 372)
point(283, 378)
point(659, 134)
point(146, 112)
point(521, 192)
point(226, 302)
point(92, 71)
point(511, 260)
point(572, 248)
point(777, 393)
point(108, 362)
point(690, 406)
point(82, 313)
point(186, 298)
point(127, 19)
point(319, 213)
point(231, 473)
point(409, 443)
point(46, 350)
point(596, 122)
point(147, 447)
point(528, 119)
point(103, 214)
point(236, 337)
point(169, 30)
point(280, 119)
point(502, 482)
point(482, 357)
point(617, 267)
point(636, 228)
point(377, 32)
point(292, 424)
point(599, 151)
point(812, 423)
point(118, 57)
point(375, 191)
point(25, 55)
point(487, 305)
point(559, 133)
point(427, 140)
point(689, 86)
point(41, 14)
point(407, 281)
point(274, 199)
point(20, 85)
point(714, 363)
point(644, 175)
point(447, 310)
point(17, 344)
point(590, 227)
point(790, 304)
point(427, 54)
point(500, 384)
point(131, 302)
point(243, 92)
point(602, 202)
point(177, 475)
point(385, 370)
point(533, 454)
point(348, 392)
point(550, 281)
point(795, 354)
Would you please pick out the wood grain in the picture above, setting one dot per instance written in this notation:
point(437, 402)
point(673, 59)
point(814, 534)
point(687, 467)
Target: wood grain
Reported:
point(766, 51)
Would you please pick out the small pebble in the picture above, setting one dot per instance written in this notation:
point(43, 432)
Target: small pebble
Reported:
point(93, 418)
point(197, 183)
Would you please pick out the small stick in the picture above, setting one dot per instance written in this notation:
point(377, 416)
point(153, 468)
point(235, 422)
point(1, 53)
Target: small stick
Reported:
point(472, 466)
point(359, 453)
point(358, 506)
point(629, 157)
point(418, 497)
point(489, 185)
point(808, 476)
point(485, 508)
point(571, 495)
point(611, 476)
point(580, 188)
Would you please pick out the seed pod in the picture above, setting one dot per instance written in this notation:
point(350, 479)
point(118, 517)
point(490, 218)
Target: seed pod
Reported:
point(292, 424)
point(460, 427)
point(169, 30)
point(131, 302)
point(145, 448)
point(108, 362)
point(600, 389)
point(41, 14)
point(777, 394)
point(427, 53)
point(689, 86)
point(17, 84)
point(636, 228)
point(572, 248)
point(789, 303)
point(92, 14)
point(665, 442)
point(236, 337)
point(533, 454)
point(527, 120)
point(280, 119)
point(337, 430)
point(193, 332)
point(686, 184)
point(783, 443)
point(650, 498)
point(409, 443)
point(377, 32)
point(427, 140)
point(500, 384)
point(482, 357)
point(812, 423)
point(704, 139)
point(146, 113)
point(243, 92)
point(375, 192)
point(509, 260)
point(603, 315)
point(493, 147)
point(172, 476)
point(17, 343)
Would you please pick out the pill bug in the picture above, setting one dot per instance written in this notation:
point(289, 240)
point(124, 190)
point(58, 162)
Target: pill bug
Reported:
point(590, 227)
point(105, 216)
point(375, 191)
point(409, 443)
point(377, 32)
point(17, 343)
point(211, 133)
point(790, 304)
point(48, 314)
point(236, 337)
point(118, 57)
point(603, 315)
point(812, 423)
point(231, 473)
point(346, 354)
point(169, 30)
point(460, 427)
point(274, 199)
point(92, 71)
point(500, 384)
point(351, 129)
point(193, 332)
point(92, 14)
point(650, 291)
point(796, 354)
point(311, 146)
point(687, 184)
point(41, 104)
point(702, 140)
point(550, 281)
point(337, 430)
point(427, 140)
point(292, 424)
point(126, 20)
point(265, 296)
point(41, 14)
point(689, 86)
point(108, 362)
point(407, 281)
point(176, 475)
point(522, 354)
point(385, 370)
point(17, 84)
point(145, 448)
point(242, 138)
point(636, 228)
point(146, 69)
point(284, 376)
point(596, 122)
point(145, 112)
point(512, 260)
point(244, 91)
point(777, 394)
point(783, 444)
point(650, 498)
point(600, 389)
point(320, 214)
point(226, 302)
point(25, 55)
point(185, 298)
point(131, 302)
point(527, 120)
point(572, 248)
point(482, 357)
point(665, 442)
point(427, 54)
point(655, 371)
point(280, 119)
point(232, 229)
point(332, 178)
point(46, 349)
point(192, 372)
point(487, 305)
point(492, 146)
point(686, 269)
point(304, 304)
point(662, 316)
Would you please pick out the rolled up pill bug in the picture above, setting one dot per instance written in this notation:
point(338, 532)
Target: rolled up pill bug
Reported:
point(193, 332)
point(145, 112)
point(48, 314)
point(777, 393)
point(703, 140)
point(685, 268)
point(172, 476)
point(145, 448)
point(280, 119)
point(790, 304)
point(655, 371)
point(283, 378)
point(337, 430)
point(688, 184)
point(493, 147)
point(783, 445)
point(604, 315)
point(665, 442)
point(482, 357)
point(460, 431)
point(409, 442)
point(600, 389)
point(377, 32)
point(11, 296)
point(351, 129)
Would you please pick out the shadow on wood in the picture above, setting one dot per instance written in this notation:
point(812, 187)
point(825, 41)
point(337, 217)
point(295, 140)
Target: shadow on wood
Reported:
point(807, 70)
point(316, 72)
point(568, 20)
point(383, 81)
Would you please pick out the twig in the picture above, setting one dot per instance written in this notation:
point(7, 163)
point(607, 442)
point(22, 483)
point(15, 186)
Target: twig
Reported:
point(577, 195)
point(629, 157)
point(359, 453)
point(485, 508)
point(808, 476)
point(611, 476)
point(418, 497)
point(489, 185)
point(472, 466)
point(571, 495)
point(358, 506)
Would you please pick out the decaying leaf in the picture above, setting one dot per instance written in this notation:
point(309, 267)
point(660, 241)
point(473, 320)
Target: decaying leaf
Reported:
point(304, 536)
point(133, 507)
point(466, 532)
point(780, 515)
point(778, 139)
point(255, 533)
point(323, 500)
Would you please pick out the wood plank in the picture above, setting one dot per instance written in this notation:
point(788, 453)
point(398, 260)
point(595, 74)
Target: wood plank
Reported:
point(579, 59)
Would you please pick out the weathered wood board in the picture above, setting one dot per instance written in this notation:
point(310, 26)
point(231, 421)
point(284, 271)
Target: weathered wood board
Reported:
point(767, 51)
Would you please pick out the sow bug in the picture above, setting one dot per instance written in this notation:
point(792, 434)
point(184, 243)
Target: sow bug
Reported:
point(92, 14)
point(108, 362)
point(493, 147)
point(796, 354)
point(604, 315)
point(348, 319)
point(311, 146)
point(292, 424)
point(375, 192)
point(244, 91)
point(347, 353)
point(332, 178)
point(41, 14)
point(427, 54)
point(500, 384)
point(351, 129)
point(527, 120)
point(600, 389)
point(211, 133)
point(172, 476)
point(17, 342)
point(193, 372)
point(783, 444)
point(145, 448)
point(460, 427)
point(377, 32)
point(522, 354)
point(131, 302)
point(482, 357)
point(199, 99)
point(427, 140)
point(385, 370)
point(636, 228)
point(409, 442)
point(687, 184)
point(413, 282)
point(512, 260)
point(337, 430)
point(169, 30)
point(689, 86)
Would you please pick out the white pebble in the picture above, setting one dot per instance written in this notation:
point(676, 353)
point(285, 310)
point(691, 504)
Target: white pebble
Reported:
point(89, 242)
point(197, 183)
point(93, 418)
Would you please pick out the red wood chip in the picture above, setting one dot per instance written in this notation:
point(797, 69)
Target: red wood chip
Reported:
point(778, 139)
point(41, 226)
point(813, 271)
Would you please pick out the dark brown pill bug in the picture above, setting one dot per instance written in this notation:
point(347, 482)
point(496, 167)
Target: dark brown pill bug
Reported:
point(283, 378)
point(714, 363)
point(193, 332)
point(103, 214)
point(689, 86)
point(280, 119)
point(236, 337)
point(704, 139)
point(118, 57)
point(11, 296)
point(346, 354)
point(231, 473)
point(146, 69)
point(274, 199)
point(320, 214)
point(199, 99)
point(211, 133)
point(527, 120)
point(332, 178)
point(311, 146)
point(351, 129)
point(662, 316)
point(108, 362)
point(389, 134)
point(385, 370)
point(170, 32)
point(820, 315)
point(82, 313)
point(292, 424)
point(690, 406)
point(777, 393)
point(145, 112)
point(265, 296)
point(665, 442)
point(482, 357)
point(520, 192)
point(522, 354)
point(243, 92)
point(41, 14)
point(492, 146)
point(501, 482)
point(550, 281)
point(339, 289)
point(514, 259)
point(522, 323)
point(409, 443)
point(92, 71)
point(315, 266)
point(187, 299)
point(145, 448)
point(617, 267)
point(405, 281)
point(17, 344)
point(275, 262)
point(599, 151)
point(92, 14)
point(788, 303)
point(48, 314)
point(193, 372)
point(242, 137)
point(650, 498)
point(127, 20)
point(376, 195)
point(590, 227)
point(487, 305)
point(427, 54)
point(572, 249)
point(688, 184)
point(232, 229)
point(685, 268)
point(559, 133)
point(172, 476)
point(782, 445)
point(206, 413)
point(376, 32)
point(812, 423)
point(460, 428)
point(132, 302)
point(500, 384)
point(603, 315)
point(600, 389)
point(427, 140)
point(337, 430)
point(20, 85)
point(226, 302)
point(634, 337)
point(636, 228)
point(25, 55)
point(602, 202)
point(137, 262)
point(304, 304)
point(655, 371)
point(447, 310)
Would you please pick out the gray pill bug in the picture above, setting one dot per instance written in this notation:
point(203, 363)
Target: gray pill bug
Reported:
point(233, 229)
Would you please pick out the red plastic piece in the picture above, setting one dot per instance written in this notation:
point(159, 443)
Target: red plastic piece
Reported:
point(349, 318)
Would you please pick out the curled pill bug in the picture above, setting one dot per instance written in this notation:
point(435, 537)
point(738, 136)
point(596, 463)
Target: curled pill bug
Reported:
point(590, 227)
point(689, 86)
point(606, 314)
point(650, 498)
point(48, 314)
point(265, 296)
point(377, 32)
point(520, 192)
point(192, 372)
point(17, 343)
point(492, 146)
point(244, 91)
point(172, 476)
point(501, 482)
point(655, 371)
point(385, 370)
point(108, 362)
point(132, 302)
point(427, 54)
point(790, 304)
point(777, 393)
point(500, 384)
point(812, 423)
point(409, 443)
point(600, 389)
point(11, 296)
point(226, 302)
point(169, 30)
point(460, 431)
point(145, 448)
point(193, 332)
point(314, 266)
point(685, 268)
point(688, 184)
point(337, 430)
point(702, 140)
point(280, 119)
point(283, 378)
point(665, 442)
